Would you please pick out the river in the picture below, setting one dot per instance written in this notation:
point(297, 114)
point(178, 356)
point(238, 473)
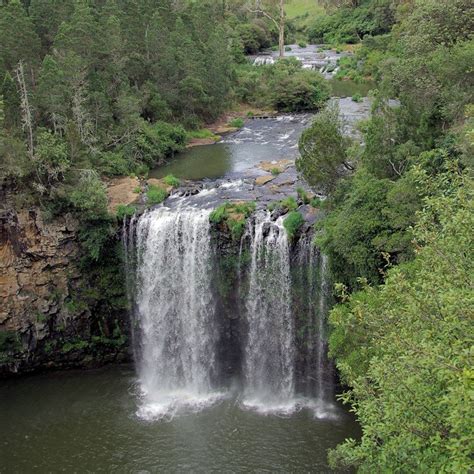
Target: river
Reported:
point(185, 407)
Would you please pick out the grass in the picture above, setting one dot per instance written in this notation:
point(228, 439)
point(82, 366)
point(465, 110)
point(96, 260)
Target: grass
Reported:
point(199, 134)
point(237, 122)
point(292, 223)
point(233, 216)
point(74, 345)
point(125, 210)
point(171, 180)
point(356, 98)
point(275, 171)
point(303, 195)
point(295, 8)
point(156, 195)
point(289, 204)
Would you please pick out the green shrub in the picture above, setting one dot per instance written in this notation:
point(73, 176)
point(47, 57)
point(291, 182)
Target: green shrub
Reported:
point(349, 25)
point(324, 158)
point(316, 202)
point(233, 216)
point(293, 89)
point(155, 195)
point(218, 214)
point(274, 48)
point(357, 98)
point(114, 164)
point(125, 211)
point(74, 345)
point(275, 171)
point(288, 204)
point(254, 36)
point(272, 206)
point(171, 180)
point(9, 341)
point(201, 133)
point(302, 44)
point(303, 195)
point(287, 48)
point(237, 122)
point(89, 197)
point(292, 223)
point(141, 171)
point(156, 142)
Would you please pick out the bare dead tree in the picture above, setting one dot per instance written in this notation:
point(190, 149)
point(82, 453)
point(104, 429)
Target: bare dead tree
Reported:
point(80, 114)
point(278, 21)
point(26, 111)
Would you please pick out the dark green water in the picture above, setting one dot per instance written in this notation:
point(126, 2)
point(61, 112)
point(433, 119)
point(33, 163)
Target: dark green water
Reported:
point(259, 140)
point(217, 160)
point(86, 422)
point(349, 88)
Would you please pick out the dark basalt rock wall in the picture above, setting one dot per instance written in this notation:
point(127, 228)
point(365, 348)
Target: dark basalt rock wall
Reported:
point(46, 319)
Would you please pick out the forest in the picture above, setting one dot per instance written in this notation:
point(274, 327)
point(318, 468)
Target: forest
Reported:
point(95, 90)
point(398, 231)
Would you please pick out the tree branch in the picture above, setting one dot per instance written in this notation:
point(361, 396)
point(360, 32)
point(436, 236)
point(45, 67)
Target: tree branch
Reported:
point(264, 13)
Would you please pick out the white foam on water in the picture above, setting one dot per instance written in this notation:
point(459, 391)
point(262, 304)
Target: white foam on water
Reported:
point(167, 405)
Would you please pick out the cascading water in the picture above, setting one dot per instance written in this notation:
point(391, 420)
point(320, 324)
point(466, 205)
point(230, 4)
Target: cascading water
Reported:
point(323, 366)
point(269, 352)
point(192, 333)
point(174, 311)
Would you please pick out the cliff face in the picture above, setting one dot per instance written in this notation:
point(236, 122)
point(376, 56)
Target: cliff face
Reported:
point(48, 315)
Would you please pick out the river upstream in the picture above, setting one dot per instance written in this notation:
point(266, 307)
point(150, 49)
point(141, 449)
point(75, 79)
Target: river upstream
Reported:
point(232, 379)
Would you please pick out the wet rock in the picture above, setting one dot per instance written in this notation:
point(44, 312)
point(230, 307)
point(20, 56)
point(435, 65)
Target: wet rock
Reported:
point(279, 165)
point(261, 180)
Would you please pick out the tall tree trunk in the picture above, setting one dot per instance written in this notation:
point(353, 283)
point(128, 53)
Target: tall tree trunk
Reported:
point(281, 30)
point(26, 113)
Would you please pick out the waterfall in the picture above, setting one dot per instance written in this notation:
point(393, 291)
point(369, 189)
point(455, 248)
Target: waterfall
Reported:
point(174, 311)
point(181, 333)
point(269, 352)
point(323, 370)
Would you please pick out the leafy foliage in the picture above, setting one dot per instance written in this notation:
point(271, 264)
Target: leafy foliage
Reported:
point(237, 122)
point(350, 25)
point(233, 216)
point(156, 195)
point(125, 211)
point(284, 86)
point(171, 180)
point(405, 348)
point(324, 159)
point(292, 223)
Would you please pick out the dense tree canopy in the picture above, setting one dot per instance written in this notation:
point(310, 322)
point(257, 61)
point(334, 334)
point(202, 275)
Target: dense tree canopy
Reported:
point(398, 234)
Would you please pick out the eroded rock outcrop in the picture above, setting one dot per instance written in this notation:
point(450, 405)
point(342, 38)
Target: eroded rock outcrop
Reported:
point(46, 315)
